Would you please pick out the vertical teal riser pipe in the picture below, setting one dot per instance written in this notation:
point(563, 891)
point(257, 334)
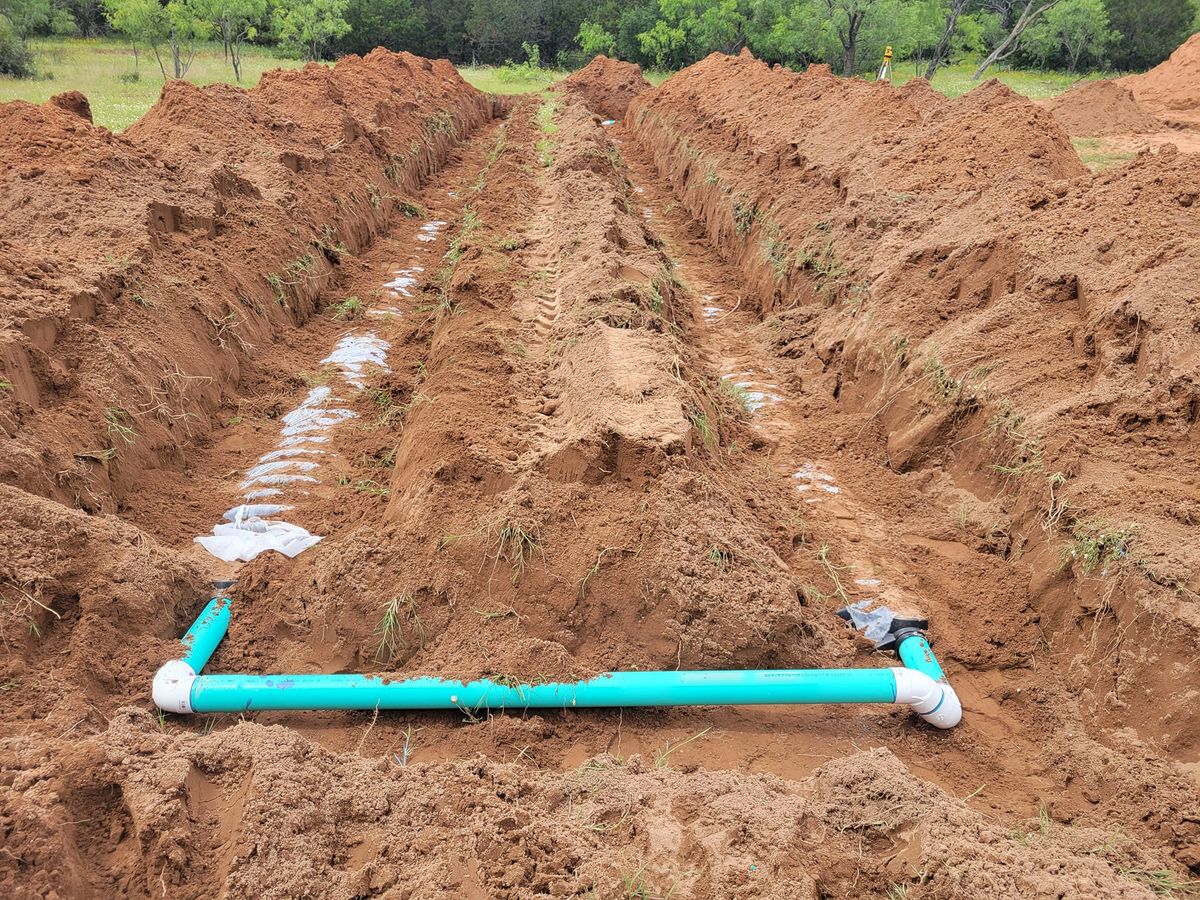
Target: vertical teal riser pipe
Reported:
point(179, 688)
point(172, 685)
point(922, 683)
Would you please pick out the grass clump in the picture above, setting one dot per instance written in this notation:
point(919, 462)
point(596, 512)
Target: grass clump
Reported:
point(120, 424)
point(515, 543)
point(736, 392)
point(399, 613)
point(745, 214)
point(1164, 882)
point(350, 308)
point(1096, 545)
point(704, 426)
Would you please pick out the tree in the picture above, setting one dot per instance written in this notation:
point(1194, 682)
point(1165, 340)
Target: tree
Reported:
point(15, 58)
point(942, 51)
point(143, 22)
point(1148, 30)
point(662, 42)
point(235, 21)
point(1076, 27)
point(308, 26)
point(395, 24)
point(847, 18)
point(595, 38)
point(1030, 13)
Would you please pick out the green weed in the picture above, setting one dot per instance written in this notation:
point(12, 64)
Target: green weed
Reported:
point(704, 426)
point(516, 544)
point(120, 424)
point(1095, 544)
point(399, 613)
point(350, 308)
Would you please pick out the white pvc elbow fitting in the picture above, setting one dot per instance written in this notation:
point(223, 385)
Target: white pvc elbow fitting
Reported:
point(172, 687)
point(934, 701)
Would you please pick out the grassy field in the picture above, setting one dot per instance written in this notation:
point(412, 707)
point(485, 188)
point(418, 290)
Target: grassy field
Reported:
point(953, 81)
point(103, 69)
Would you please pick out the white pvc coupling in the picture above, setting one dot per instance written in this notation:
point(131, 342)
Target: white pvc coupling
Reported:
point(934, 701)
point(172, 688)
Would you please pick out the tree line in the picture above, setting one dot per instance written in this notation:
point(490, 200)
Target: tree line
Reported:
point(850, 35)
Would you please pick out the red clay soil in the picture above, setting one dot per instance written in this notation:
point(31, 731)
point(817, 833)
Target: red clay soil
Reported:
point(1095, 108)
point(554, 478)
point(1016, 335)
point(607, 85)
point(1172, 88)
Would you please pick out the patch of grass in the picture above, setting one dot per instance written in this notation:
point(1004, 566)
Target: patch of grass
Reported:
point(1095, 154)
point(1097, 544)
point(120, 425)
point(704, 426)
point(350, 308)
point(945, 387)
point(515, 543)
point(955, 80)
point(103, 67)
point(399, 614)
point(510, 79)
point(329, 243)
point(410, 209)
point(719, 556)
point(745, 214)
point(370, 486)
point(776, 251)
point(5, 385)
point(739, 394)
point(1164, 882)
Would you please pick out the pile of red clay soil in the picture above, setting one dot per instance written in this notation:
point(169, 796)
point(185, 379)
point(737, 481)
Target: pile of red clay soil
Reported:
point(607, 85)
point(1173, 86)
point(1096, 108)
point(139, 272)
point(555, 474)
point(1017, 334)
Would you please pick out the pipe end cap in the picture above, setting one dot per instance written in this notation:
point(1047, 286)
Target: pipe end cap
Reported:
point(172, 688)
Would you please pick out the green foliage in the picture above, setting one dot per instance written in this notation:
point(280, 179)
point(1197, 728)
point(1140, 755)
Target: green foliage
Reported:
point(1095, 544)
point(595, 38)
point(15, 58)
point(384, 23)
point(310, 26)
point(235, 21)
point(1073, 31)
point(1148, 30)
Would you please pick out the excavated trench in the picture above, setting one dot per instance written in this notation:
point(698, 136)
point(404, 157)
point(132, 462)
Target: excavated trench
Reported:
point(584, 414)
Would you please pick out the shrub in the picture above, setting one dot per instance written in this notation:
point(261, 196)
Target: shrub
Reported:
point(15, 58)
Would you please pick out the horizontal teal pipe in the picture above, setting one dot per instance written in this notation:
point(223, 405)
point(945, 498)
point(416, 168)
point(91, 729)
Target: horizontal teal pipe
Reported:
point(206, 632)
point(242, 693)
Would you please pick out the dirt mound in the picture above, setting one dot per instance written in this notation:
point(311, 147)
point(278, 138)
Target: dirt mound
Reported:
point(607, 85)
point(1172, 85)
point(1101, 108)
point(100, 233)
point(914, 265)
point(235, 813)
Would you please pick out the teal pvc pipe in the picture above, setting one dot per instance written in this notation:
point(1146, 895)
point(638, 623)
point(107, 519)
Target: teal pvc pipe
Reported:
point(915, 653)
point(206, 632)
point(241, 693)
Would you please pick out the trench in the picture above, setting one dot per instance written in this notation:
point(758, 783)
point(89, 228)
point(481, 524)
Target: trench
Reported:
point(389, 444)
